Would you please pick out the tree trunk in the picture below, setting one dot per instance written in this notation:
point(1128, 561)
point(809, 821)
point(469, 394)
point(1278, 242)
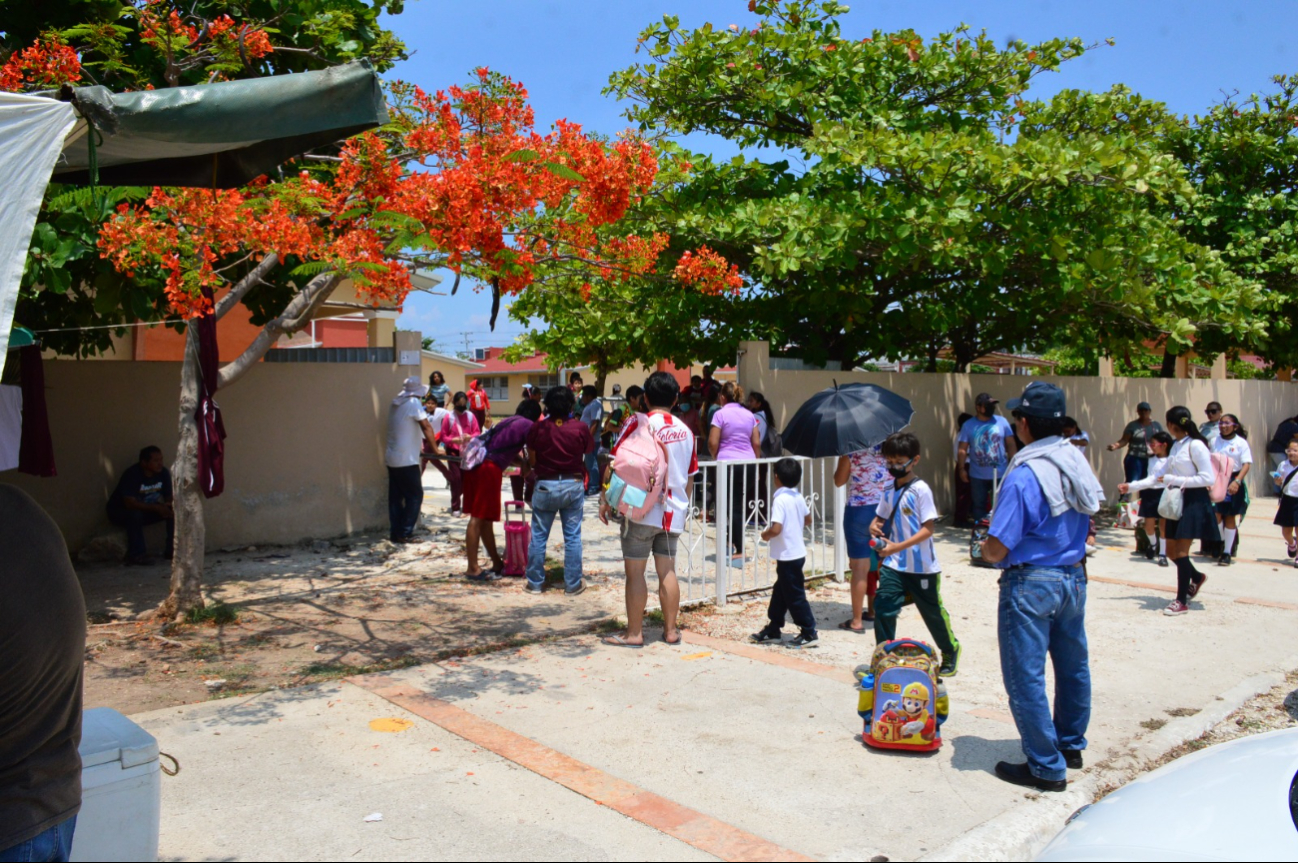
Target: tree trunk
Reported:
point(1169, 365)
point(191, 532)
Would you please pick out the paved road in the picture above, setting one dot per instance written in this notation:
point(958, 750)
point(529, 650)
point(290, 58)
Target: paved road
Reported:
point(574, 750)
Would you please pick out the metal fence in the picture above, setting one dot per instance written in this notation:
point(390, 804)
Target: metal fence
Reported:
point(721, 553)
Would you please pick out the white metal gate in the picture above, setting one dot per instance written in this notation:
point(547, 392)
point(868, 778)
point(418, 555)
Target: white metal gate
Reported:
point(721, 554)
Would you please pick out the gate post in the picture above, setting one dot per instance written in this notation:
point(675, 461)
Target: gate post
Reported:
point(840, 537)
point(722, 521)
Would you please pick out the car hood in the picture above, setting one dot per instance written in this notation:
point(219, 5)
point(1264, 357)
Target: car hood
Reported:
point(1226, 802)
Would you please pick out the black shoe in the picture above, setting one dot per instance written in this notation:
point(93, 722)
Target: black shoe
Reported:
point(1162, 560)
point(1224, 560)
point(950, 664)
point(1073, 758)
point(804, 640)
point(764, 636)
point(1019, 774)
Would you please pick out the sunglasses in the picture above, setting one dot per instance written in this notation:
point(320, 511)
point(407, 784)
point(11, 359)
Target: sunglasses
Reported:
point(1211, 411)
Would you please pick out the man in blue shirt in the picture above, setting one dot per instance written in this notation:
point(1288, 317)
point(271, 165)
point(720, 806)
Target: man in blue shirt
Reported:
point(985, 446)
point(1038, 539)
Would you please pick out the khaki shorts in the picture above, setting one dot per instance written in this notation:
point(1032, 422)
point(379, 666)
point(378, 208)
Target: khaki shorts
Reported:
point(638, 540)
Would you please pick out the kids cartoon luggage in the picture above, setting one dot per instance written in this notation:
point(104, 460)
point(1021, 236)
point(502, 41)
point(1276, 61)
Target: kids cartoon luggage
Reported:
point(901, 698)
point(518, 534)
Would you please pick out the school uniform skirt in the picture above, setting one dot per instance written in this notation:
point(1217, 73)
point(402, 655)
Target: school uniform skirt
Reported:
point(1236, 504)
point(1287, 515)
point(1198, 518)
point(1149, 499)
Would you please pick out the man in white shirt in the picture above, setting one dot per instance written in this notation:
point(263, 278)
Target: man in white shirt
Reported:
point(592, 414)
point(789, 515)
point(660, 528)
point(408, 427)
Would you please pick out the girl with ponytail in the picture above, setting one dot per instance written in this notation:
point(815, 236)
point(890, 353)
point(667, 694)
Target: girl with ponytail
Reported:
point(1189, 468)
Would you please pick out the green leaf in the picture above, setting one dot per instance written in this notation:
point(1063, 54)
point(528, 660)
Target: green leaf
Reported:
point(563, 171)
point(523, 156)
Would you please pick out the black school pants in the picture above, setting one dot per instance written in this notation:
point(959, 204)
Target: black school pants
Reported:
point(789, 596)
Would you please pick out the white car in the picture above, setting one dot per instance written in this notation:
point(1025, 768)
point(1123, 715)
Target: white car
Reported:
point(1233, 801)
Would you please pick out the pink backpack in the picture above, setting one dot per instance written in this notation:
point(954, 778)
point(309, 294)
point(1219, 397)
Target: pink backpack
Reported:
point(1221, 480)
point(639, 478)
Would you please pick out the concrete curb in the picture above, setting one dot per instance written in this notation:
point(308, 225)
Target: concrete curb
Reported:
point(1022, 832)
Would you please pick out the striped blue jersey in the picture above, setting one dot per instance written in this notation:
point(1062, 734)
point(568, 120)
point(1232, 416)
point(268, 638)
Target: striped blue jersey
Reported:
point(914, 506)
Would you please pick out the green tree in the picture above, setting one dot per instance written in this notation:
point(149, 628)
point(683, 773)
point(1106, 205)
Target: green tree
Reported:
point(1241, 157)
point(917, 198)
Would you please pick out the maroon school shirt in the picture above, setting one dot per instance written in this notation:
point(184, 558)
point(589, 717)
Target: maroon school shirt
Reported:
point(560, 449)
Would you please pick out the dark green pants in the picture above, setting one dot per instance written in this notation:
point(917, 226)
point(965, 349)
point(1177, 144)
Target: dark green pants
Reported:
point(925, 589)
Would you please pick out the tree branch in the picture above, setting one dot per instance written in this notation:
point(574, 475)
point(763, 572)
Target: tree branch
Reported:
point(295, 316)
point(241, 287)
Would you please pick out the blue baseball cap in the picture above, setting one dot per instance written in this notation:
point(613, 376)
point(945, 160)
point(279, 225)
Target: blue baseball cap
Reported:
point(1040, 399)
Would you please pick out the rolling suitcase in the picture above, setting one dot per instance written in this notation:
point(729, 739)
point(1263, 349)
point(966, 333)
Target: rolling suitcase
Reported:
point(518, 534)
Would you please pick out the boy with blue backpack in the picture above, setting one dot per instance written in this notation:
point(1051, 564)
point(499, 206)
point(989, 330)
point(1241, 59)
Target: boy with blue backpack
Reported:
point(903, 531)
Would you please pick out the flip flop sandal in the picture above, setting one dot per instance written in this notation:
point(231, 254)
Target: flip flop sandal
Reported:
point(619, 641)
point(847, 624)
point(679, 639)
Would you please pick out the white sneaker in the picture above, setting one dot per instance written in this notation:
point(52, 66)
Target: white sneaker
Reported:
point(1090, 549)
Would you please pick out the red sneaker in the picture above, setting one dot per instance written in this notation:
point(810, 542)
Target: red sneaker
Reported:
point(1195, 585)
point(1176, 607)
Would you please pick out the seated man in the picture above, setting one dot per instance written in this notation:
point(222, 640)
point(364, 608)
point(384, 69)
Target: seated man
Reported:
point(142, 498)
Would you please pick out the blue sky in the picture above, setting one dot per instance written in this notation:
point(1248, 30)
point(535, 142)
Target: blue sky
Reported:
point(1182, 53)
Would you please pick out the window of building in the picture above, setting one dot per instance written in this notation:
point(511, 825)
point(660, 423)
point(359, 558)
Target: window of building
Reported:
point(543, 382)
point(497, 388)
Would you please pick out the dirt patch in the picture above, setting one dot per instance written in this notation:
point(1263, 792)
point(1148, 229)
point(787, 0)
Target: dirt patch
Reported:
point(1271, 711)
point(290, 616)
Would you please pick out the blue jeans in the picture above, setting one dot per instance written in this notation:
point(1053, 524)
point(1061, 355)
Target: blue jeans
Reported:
point(592, 473)
point(1135, 467)
point(564, 498)
point(52, 844)
point(1043, 610)
point(981, 492)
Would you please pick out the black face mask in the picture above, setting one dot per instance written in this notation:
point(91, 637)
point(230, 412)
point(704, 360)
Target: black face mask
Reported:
point(898, 471)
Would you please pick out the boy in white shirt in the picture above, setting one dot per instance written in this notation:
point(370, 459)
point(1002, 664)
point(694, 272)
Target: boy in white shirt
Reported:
point(789, 516)
point(904, 521)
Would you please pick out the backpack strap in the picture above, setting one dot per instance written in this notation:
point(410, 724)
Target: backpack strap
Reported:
point(1284, 485)
point(892, 516)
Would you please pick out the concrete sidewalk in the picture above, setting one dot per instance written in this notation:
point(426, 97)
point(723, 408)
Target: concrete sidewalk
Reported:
point(714, 748)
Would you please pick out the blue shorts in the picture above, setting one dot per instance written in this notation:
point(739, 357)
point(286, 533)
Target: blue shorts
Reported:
point(856, 529)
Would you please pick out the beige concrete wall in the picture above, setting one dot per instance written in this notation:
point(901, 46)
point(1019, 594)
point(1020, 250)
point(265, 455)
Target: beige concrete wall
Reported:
point(304, 456)
point(1103, 407)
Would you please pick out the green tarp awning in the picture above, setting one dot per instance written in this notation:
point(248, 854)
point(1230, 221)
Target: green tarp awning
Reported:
point(218, 135)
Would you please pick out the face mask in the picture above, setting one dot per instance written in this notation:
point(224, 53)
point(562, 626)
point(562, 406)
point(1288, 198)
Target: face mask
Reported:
point(900, 470)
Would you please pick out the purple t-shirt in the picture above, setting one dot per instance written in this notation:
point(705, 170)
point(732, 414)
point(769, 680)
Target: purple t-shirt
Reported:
point(736, 423)
point(508, 439)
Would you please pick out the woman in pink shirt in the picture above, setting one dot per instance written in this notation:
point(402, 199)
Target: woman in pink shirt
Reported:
point(734, 437)
point(458, 428)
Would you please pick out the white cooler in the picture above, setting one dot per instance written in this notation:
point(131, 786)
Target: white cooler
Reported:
point(121, 790)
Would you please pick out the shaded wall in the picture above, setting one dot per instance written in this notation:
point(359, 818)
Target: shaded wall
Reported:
point(1103, 407)
point(304, 456)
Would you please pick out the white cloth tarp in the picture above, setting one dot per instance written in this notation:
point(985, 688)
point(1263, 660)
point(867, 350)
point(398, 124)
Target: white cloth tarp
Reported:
point(32, 130)
point(11, 426)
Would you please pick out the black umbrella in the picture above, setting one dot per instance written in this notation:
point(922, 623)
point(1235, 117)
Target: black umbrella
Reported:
point(845, 419)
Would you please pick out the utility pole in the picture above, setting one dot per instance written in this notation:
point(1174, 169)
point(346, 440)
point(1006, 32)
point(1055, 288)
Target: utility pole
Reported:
point(467, 350)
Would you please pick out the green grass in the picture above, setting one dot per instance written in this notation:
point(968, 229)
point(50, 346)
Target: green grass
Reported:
point(1153, 724)
point(319, 671)
point(218, 613)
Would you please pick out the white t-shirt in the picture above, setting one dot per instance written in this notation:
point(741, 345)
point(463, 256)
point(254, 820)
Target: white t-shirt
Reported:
point(682, 463)
point(1237, 448)
point(405, 434)
point(435, 420)
point(1284, 470)
point(915, 507)
point(593, 413)
point(789, 510)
